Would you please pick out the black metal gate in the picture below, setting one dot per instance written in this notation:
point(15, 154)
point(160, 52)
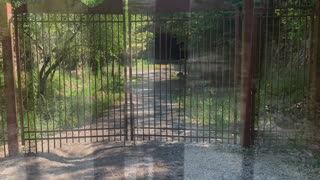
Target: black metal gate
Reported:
point(92, 74)
point(160, 70)
point(72, 76)
point(183, 77)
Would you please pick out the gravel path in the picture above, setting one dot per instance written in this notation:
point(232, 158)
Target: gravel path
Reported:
point(161, 161)
point(116, 160)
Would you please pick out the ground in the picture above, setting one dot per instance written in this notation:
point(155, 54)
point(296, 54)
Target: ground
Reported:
point(106, 160)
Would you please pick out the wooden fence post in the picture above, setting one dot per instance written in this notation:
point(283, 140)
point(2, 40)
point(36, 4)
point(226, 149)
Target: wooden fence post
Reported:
point(9, 77)
point(247, 64)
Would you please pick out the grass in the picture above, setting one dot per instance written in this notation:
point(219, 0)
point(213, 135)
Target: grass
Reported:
point(73, 100)
point(208, 107)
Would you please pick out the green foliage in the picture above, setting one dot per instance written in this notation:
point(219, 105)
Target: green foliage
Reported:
point(73, 100)
point(209, 108)
point(294, 19)
point(92, 2)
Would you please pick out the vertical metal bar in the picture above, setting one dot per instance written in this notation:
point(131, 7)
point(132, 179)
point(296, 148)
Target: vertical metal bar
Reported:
point(216, 77)
point(59, 86)
point(286, 56)
point(45, 90)
point(101, 64)
point(229, 77)
point(130, 80)
point(236, 73)
point(155, 21)
point(310, 64)
point(204, 55)
point(298, 76)
point(83, 74)
point(108, 85)
point(95, 43)
point(119, 77)
point(170, 86)
point(25, 77)
point(305, 65)
point(197, 90)
point(33, 88)
point(253, 86)
point(264, 59)
point(137, 125)
point(77, 71)
point(291, 67)
point(70, 77)
point(18, 59)
point(259, 69)
point(222, 83)
point(125, 59)
point(38, 71)
point(271, 64)
point(142, 78)
point(180, 84)
point(185, 49)
point(148, 61)
point(113, 77)
point(192, 80)
point(278, 64)
point(51, 84)
point(160, 60)
point(88, 73)
point(64, 92)
point(40, 103)
point(210, 62)
point(166, 75)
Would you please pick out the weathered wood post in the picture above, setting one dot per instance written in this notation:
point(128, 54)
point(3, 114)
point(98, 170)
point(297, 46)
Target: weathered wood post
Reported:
point(247, 65)
point(9, 77)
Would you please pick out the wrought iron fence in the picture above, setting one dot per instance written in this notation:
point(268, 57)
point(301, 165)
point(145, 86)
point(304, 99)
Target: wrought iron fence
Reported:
point(185, 85)
point(158, 73)
point(282, 71)
point(72, 78)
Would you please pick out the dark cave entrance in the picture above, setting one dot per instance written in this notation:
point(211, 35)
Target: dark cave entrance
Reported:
point(168, 49)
